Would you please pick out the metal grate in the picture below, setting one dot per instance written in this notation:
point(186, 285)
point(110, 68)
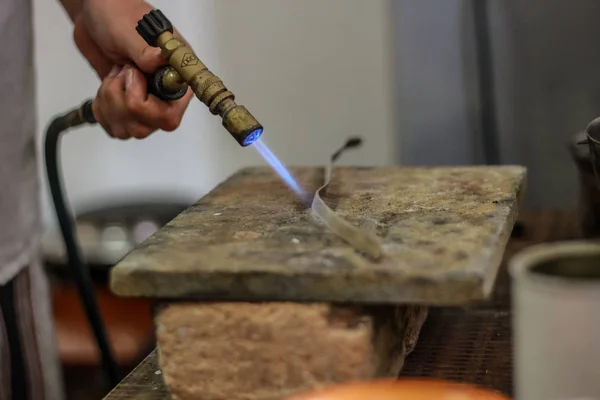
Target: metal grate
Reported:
point(471, 346)
point(474, 344)
point(143, 383)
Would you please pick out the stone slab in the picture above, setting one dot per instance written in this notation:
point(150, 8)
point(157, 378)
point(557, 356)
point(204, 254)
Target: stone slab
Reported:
point(444, 231)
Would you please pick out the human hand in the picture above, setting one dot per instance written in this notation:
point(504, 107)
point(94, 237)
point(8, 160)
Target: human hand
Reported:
point(106, 36)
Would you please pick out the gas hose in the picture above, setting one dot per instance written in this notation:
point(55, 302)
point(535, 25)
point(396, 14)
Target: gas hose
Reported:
point(79, 271)
point(158, 85)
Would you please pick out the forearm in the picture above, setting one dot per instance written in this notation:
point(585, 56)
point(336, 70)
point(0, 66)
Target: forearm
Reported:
point(72, 7)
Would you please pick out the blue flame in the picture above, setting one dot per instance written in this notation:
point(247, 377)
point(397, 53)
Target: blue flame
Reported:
point(253, 137)
point(281, 170)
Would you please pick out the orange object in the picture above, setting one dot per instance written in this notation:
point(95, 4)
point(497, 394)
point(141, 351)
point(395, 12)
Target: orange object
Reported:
point(402, 389)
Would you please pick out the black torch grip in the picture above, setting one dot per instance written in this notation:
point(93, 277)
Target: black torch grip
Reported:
point(158, 86)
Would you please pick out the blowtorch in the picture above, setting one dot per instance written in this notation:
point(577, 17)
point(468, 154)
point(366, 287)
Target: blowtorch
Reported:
point(171, 82)
point(185, 70)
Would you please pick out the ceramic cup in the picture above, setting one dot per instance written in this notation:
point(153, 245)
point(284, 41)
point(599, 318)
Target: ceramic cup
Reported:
point(556, 321)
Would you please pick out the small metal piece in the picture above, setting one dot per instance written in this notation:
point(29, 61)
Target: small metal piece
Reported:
point(167, 84)
point(242, 125)
point(172, 82)
point(77, 116)
point(362, 241)
point(156, 29)
point(87, 113)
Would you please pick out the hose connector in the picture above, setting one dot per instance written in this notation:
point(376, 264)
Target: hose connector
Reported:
point(157, 31)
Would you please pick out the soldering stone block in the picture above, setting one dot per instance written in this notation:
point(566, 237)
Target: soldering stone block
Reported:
point(268, 351)
point(444, 231)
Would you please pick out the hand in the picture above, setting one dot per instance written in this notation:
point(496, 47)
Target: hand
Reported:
point(106, 36)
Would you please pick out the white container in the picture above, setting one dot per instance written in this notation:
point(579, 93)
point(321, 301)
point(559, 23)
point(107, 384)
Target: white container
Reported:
point(556, 321)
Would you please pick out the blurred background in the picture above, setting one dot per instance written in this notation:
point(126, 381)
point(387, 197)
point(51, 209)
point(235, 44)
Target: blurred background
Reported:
point(425, 82)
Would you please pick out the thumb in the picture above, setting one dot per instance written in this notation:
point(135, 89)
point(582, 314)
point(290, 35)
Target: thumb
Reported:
point(148, 59)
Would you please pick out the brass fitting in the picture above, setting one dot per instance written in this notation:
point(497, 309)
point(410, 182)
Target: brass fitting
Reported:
point(167, 84)
point(156, 29)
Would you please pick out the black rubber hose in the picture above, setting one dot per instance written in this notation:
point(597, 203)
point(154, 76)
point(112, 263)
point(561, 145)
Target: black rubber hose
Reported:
point(79, 270)
point(487, 97)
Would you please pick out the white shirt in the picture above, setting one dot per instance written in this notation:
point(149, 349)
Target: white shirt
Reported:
point(20, 222)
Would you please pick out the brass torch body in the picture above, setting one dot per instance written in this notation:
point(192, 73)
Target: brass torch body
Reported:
point(208, 88)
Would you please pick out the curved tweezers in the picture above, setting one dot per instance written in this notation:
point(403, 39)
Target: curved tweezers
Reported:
point(362, 241)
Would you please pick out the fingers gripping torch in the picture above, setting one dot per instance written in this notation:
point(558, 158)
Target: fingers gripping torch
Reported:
point(171, 82)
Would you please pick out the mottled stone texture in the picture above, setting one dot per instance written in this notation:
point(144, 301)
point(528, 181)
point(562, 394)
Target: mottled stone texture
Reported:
point(444, 232)
point(268, 351)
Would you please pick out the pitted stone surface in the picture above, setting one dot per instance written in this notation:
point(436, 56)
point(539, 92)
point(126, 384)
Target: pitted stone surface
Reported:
point(444, 231)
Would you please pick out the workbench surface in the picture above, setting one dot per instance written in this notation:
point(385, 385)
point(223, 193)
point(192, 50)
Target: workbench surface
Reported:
point(466, 344)
point(444, 231)
point(145, 382)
